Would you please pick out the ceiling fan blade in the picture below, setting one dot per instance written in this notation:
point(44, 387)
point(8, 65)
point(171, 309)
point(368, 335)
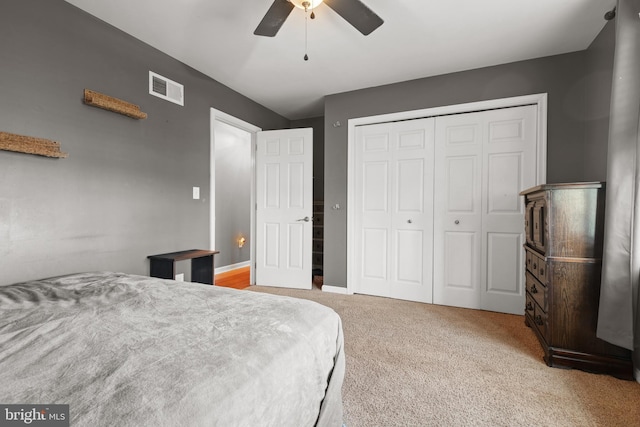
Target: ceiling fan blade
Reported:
point(357, 14)
point(274, 18)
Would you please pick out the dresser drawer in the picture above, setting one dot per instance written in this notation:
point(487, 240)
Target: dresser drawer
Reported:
point(529, 261)
point(537, 265)
point(540, 321)
point(541, 271)
point(539, 236)
point(537, 318)
point(528, 223)
point(529, 307)
point(537, 290)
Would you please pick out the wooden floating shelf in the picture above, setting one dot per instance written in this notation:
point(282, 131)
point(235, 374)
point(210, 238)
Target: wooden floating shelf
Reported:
point(30, 145)
point(110, 103)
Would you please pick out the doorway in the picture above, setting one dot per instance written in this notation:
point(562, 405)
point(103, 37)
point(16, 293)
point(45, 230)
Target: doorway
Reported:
point(238, 150)
point(232, 220)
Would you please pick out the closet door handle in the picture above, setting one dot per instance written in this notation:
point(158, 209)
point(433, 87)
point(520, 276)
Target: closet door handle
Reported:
point(409, 221)
point(456, 222)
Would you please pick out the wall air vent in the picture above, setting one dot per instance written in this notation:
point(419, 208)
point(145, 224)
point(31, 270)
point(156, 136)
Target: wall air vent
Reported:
point(165, 88)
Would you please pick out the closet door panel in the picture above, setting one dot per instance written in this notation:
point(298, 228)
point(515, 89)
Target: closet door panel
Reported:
point(410, 186)
point(504, 263)
point(394, 209)
point(461, 185)
point(509, 167)
point(409, 257)
point(458, 211)
point(374, 244)
point(504, 180)
point(412, 219)
point(375, 187)
point(373, 207)
point(460, 249)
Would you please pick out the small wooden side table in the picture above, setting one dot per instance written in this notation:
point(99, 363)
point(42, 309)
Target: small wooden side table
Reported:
point(163, 265)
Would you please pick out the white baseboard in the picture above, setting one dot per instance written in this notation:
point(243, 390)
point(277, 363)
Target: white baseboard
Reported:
point(236, 266)
point(334, 289)
point(637, 374)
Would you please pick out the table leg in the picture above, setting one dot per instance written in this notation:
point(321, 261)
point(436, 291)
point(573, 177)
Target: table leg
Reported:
point(162, 268)
point(202, 270)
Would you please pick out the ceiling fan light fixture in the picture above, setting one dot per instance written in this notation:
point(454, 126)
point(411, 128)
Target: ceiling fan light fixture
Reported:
point(306, 4)
point(355, 12)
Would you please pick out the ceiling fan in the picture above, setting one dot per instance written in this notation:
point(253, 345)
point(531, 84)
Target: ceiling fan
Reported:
point(353, 11)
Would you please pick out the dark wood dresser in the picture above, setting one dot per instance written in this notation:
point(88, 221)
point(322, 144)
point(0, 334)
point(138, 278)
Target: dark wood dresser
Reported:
point(564, 227)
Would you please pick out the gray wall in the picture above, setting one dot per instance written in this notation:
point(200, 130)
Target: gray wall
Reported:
point(125, 190)
point(598, 81)
point(561, 76)
point(317, 123)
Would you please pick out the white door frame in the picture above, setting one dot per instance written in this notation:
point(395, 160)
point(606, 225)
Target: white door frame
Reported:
point(219, 116)
point(540, 100)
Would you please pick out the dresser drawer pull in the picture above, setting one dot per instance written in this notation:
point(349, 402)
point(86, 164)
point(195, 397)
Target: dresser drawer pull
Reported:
point(535, 266)
point(534, 290)
point(538, 320)
point(529, 306)
point(541, 271)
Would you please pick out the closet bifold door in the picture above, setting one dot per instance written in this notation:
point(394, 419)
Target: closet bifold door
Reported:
point(483, 160)
point(394, 209)
point(438, 216)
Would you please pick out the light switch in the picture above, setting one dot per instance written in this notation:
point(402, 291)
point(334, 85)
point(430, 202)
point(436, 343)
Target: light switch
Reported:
point(196, 193)
point(180, 277)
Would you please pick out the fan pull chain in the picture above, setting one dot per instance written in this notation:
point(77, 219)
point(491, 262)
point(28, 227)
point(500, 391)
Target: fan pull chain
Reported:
point(306, 12)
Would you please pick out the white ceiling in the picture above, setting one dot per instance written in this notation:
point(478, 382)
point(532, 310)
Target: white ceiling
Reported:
point(418, 39)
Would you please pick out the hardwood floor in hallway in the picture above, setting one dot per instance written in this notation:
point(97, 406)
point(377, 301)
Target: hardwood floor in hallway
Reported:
point(238, 278)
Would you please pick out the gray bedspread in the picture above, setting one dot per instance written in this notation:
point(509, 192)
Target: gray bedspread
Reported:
point(126, 350)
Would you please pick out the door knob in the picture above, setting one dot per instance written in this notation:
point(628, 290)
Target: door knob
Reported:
point(456, 222)
point(409, 221)
point(305, 219)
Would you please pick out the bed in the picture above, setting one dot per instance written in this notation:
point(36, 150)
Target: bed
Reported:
point(131, 350)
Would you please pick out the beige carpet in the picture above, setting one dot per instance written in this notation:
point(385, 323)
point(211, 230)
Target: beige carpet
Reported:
point(411, 364)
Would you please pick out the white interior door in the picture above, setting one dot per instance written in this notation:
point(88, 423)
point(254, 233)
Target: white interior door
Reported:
point(484, 160)
point(394, 209)
point(284, 208)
